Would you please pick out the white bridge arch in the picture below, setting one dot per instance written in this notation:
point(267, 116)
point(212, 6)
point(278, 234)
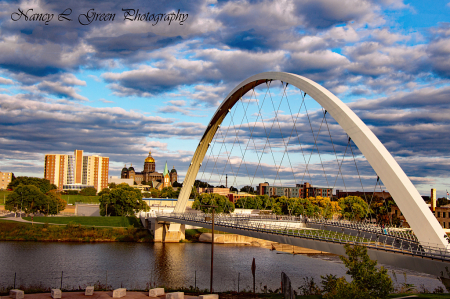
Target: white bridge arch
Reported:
point(417, 213)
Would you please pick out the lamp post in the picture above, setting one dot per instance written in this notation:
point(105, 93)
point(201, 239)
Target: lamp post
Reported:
point(212, 245)
point(21, 205)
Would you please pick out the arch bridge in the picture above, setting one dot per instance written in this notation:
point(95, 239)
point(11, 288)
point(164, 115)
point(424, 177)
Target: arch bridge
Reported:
point(423, 223)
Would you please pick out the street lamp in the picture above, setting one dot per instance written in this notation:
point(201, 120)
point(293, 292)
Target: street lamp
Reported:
point(21, 205)
point(212, 244)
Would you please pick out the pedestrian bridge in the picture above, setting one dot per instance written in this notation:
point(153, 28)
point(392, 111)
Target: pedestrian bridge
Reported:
point(388, 246)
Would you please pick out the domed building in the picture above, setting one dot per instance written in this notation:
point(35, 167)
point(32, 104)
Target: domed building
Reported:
point(149, 174)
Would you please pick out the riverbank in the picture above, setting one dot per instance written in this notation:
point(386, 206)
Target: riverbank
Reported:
point(72, 232)
point(92, 229)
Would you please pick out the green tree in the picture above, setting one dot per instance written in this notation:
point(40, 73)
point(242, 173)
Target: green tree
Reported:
point(43, 184)
point(248, 189)
point(354, 207)
point(112, 185)
point(89, 191)
point(176, 184)
point(224, 205)
point(367, 280)
point(124, 200)
point(104, 191)
point(155, 193)
point(53, 205)
point(27, 198)
point(168, 192)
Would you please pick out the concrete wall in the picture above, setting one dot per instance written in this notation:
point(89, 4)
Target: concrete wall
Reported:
point(87, 210)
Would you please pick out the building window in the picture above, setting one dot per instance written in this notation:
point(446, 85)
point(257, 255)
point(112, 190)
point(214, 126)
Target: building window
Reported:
point(443, 214)
point(439, 214)
point(443, 224)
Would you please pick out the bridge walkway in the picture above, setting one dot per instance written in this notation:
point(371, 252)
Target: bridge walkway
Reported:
point(386, 249)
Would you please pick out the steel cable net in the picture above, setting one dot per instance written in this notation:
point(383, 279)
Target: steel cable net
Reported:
point(279, 135)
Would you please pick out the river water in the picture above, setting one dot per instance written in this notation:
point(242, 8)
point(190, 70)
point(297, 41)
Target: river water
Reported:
point(138, 266)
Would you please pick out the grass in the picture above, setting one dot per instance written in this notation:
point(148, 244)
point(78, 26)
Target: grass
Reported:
point(17, 231)
point(114, 221)
point(80, 198)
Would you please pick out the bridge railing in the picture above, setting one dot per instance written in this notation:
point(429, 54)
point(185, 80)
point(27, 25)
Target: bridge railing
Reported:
point(290, 229)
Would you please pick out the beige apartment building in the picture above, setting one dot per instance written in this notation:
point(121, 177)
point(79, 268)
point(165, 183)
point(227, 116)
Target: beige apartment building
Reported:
point(5, 179)
point(75, 172)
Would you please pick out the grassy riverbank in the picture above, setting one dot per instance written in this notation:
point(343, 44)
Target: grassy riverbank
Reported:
point(90, 221)
point(72, 232)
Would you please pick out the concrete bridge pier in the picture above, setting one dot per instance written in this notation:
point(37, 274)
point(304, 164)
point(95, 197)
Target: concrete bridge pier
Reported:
point(165, 232)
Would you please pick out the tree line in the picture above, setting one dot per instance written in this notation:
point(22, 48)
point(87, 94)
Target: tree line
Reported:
point(350, 207)
point(34, 195)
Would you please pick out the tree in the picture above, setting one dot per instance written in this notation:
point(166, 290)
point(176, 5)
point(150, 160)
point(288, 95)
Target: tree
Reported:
point(224, 205)
point(104, 191)
point(124, 200)
point(155, 192)
point(43, 184)
point(176, 184)
point(441, 201)
point(354, 207)
point(112, 185)
point(200, 184)
point(54, 204)
point(232, 189)
point(27, 198)
point(168, 192)
point(248, 189)
point(367, 280)
point(89, 191)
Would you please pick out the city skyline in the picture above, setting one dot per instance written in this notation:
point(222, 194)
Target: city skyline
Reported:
point(122, 88)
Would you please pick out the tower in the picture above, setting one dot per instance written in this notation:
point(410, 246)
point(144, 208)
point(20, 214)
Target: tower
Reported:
point(124, 173)
point(149, 164)
point(166, 177)
point(173, 176)
point(131, 172)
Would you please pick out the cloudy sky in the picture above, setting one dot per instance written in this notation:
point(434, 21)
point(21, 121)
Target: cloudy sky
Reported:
point(121, 87)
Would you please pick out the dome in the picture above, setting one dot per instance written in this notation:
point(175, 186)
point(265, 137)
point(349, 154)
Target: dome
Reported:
point(131, 168)
point(149, 159)
point(173, 170)
point(125, 169)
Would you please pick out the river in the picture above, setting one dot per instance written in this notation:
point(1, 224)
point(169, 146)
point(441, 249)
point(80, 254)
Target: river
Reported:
point(138, 266)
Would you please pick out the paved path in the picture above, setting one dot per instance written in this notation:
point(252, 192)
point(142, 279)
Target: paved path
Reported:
point(18, 219)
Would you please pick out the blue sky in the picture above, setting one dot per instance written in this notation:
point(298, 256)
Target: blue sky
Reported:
point(122, 88)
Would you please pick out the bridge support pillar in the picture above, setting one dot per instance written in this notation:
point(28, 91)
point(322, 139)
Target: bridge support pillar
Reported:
point(174, 233)
point(166, 232)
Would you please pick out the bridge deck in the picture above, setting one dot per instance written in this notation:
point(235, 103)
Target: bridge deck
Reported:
point(407, 255)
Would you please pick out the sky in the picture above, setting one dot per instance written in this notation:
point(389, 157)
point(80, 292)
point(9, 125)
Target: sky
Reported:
point(72, 76)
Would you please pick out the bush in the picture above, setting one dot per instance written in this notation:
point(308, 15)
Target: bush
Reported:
point(90, 191)
point(368, 281)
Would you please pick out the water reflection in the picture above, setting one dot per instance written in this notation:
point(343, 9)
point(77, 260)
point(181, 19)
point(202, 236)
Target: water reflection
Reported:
point(137, 266)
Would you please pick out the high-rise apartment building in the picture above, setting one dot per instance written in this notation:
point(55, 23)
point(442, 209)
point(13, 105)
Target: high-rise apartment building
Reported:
point(5, 179)
point(75, 172)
